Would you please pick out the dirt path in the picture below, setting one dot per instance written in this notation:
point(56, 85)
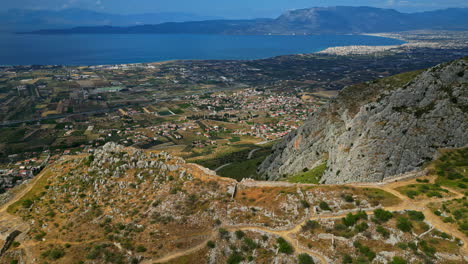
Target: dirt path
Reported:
point(222, 166)
point(405, 204)
point(251, 153)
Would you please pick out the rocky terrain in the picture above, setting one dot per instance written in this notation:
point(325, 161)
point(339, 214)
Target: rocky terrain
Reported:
point(380, 129)
point(123, 205)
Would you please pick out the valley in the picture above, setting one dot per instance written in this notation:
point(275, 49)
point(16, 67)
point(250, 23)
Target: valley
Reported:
point(353, 155)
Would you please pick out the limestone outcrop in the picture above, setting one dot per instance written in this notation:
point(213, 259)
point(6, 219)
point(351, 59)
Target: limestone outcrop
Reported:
point(380, 129)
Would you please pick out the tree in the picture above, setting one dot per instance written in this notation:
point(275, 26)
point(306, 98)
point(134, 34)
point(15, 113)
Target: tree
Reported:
point(382, 215)
point(284, 246)
point(416, 216)
point(404, 224)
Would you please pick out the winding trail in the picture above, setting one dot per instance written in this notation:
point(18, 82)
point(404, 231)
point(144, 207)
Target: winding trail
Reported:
point(222, 166)
point(251, 153)
point(289, 235)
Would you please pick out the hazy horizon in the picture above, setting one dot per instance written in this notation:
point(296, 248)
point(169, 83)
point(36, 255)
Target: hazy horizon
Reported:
point(238, 9)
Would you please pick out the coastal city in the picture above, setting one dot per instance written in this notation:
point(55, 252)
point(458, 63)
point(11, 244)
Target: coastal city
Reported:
point(233, 132)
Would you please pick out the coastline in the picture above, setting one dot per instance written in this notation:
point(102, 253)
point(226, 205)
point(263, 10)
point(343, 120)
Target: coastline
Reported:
point(250, 48)
point(412, 39)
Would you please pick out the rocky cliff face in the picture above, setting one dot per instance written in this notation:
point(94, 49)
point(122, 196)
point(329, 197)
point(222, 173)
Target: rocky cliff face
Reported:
point(380, 129)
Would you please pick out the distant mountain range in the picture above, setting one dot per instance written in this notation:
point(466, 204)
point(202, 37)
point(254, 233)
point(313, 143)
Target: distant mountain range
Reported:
point(26, 20)
point(330, 20)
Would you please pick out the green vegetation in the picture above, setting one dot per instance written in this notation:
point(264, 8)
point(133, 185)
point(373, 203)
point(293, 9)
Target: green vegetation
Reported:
point(310, 225)
point(53, 254)
point(378, 196)
point(416, 215)
point(429, 190)
point(381, 215)
point(284, 246)
point(235, 258)
point(241, 170)
point(455, 211)
point(324, 206)
point(239, 234)
point(35, 193)
point(305, 258)
point(364, 250)
point(211, 244)
point(223, 233)
point(398, 260)
point(235, 139)
point(351, 219)
point(404, 224)
point(312, 176)
point(383, 231)
point(452, 169)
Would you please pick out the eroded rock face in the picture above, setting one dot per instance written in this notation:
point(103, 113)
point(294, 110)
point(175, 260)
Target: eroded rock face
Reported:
point(380, 129)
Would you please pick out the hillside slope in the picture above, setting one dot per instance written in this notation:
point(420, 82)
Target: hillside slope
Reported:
point(379, 129)
point(123, 205)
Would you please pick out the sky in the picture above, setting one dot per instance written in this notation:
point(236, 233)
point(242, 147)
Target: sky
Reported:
point(224, 8)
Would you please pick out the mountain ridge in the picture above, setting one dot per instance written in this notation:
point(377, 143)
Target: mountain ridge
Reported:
point(377, 130)
point(330, 20)
point(24, 19)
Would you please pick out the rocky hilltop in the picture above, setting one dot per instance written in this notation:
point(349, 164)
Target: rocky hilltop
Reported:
point(124, 205)
point(379, 129)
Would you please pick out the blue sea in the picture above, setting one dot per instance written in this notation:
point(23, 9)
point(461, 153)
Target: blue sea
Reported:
point(96, 49)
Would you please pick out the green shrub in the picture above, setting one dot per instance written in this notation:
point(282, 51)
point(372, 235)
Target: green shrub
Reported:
point(383, 231)
point(284, 246)
point(210, 244)
point(310, 225)
point(223, 233)
point(347, 259)
point(413, 246)
point(140, 248)
point(362, 227)
point(235, 258)
point(398, 260)
point(324, 206)
point(416, 215)
point(27, 203)
point(239, 234)
point(412, 194)
point(365, 250)
point(305, 259)
point(348, 198)
point(53, 254)
point(351, 219)
point(382, 215)
point(404, 224)
point(249, 244)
